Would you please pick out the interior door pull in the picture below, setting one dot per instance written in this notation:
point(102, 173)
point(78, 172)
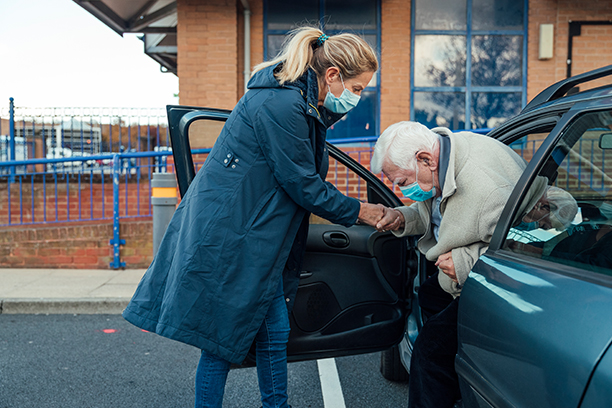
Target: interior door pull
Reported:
point(305, 274)
point(336, 239)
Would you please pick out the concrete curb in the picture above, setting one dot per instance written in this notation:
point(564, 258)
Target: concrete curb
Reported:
point(63, 305)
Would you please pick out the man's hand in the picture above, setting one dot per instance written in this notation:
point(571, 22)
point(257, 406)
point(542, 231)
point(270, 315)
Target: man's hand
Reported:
point(446, 265)
point(392, 220)
point(371, 214)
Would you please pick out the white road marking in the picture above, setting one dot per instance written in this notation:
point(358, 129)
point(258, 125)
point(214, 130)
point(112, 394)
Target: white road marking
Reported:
point(330, 384)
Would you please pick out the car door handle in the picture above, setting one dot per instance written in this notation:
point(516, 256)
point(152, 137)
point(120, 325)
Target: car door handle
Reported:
point(336, 239)
point(305, 274)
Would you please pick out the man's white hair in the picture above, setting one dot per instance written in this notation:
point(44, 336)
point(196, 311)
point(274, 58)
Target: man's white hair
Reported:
point(564, 206)
point(400, 143)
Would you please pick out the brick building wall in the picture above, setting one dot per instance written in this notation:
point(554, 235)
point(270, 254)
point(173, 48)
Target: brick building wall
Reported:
point(593, 49)
point(207, 53)
point(395, 62)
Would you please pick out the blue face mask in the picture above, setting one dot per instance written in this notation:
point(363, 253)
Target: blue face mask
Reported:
point(527, 226)
point(415, 192)
point(344, 103)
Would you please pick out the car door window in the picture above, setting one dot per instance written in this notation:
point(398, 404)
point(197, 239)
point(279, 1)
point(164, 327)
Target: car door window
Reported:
point(345, 179)
point(527, 145)
point(566, 215)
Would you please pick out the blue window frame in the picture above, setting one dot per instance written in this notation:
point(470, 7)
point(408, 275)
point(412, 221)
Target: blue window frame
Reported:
point(468, 62)
point(361, 17)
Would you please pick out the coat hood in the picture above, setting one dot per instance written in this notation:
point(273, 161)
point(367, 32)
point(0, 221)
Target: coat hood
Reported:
point(264, 79)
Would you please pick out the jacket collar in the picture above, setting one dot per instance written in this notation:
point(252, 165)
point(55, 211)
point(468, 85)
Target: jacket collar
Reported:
point(308, 85)
point(449, 186)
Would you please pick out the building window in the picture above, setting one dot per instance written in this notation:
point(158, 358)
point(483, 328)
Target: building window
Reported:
point(361, 17)
point(469, 62)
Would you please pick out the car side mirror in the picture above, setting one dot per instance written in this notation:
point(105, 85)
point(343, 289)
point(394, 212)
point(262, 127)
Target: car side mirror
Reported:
point(605, 141)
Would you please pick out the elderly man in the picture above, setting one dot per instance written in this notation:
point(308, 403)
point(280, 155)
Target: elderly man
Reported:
point(460, 183)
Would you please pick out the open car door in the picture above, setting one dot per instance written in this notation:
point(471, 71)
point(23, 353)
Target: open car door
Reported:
point(352, 295)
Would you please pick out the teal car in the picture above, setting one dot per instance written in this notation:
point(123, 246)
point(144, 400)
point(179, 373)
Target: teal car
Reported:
point(535, 315)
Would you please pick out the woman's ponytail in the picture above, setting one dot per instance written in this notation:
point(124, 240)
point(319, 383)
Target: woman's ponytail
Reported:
point(309, 47)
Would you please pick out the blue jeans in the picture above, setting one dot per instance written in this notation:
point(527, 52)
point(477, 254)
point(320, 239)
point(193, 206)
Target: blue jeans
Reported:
point(271, 357)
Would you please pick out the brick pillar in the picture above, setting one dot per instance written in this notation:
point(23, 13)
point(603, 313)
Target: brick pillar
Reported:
point(395, 62)
point(207, 39)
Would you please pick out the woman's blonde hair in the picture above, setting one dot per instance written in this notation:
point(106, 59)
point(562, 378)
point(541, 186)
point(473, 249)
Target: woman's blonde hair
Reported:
point(302, 49)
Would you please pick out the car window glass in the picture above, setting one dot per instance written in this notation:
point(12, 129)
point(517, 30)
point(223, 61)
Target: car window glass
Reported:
point(345, 179)
point(527, 145)
point(566, 215)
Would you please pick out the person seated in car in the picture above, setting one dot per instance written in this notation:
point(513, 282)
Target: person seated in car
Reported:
point(584, 243)
point(544, 207)
point(460, 182)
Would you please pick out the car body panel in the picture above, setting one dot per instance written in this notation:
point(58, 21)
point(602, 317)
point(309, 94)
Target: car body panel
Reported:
point(599, 392)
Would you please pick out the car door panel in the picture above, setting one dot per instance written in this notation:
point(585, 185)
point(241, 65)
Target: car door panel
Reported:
point(347, 299)
point(351, 296)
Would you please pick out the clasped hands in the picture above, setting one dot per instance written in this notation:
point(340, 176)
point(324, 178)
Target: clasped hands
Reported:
point(380, 217)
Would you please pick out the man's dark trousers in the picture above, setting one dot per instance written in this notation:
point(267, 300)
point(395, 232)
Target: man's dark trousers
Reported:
point(433, 380)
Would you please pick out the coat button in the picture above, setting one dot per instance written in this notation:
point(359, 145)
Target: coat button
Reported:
point(225, 161)
point(309, 110)
point(236, 160)
point(288, 300)
point(229, 155)
point(233, 166)
point(329, 117)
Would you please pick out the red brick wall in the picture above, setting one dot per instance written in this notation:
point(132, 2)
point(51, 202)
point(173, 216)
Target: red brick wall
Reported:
point(75, 245)
point(395, 62)
point(207, 53)
point(591, 50)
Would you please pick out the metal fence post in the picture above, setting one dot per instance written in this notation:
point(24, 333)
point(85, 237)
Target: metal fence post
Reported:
point(116, 241)
point(163, 200)
point(12, 138)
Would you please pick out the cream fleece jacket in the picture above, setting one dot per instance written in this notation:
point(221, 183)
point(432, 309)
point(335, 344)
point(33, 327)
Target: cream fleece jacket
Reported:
point(480, 176)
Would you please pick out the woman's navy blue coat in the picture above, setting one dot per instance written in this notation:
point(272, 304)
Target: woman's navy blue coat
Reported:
point(243, 222)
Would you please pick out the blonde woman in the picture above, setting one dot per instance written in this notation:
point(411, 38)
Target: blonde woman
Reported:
point(227, 270)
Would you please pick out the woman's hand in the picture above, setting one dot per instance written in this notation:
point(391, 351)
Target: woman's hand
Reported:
point(371, 214)
point(392, 220)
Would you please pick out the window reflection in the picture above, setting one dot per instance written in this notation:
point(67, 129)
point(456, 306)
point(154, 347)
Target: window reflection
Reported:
point(489, 109)
point(275, 43)
point(497, 15)
point(286, 15)
point(440, 14)
point(354, 16)
point(496, 60)
point(439, 60)
point(440, 109)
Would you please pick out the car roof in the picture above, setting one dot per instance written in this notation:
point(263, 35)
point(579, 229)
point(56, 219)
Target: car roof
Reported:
point(558, 99)
point(557, 92)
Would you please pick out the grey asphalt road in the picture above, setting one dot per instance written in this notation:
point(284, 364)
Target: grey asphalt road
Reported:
point(79, 361)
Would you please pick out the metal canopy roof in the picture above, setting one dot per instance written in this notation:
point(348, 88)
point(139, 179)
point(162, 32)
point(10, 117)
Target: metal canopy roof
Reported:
point(155, 19)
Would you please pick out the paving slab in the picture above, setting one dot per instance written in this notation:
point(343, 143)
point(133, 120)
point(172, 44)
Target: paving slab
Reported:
point(61, 291)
